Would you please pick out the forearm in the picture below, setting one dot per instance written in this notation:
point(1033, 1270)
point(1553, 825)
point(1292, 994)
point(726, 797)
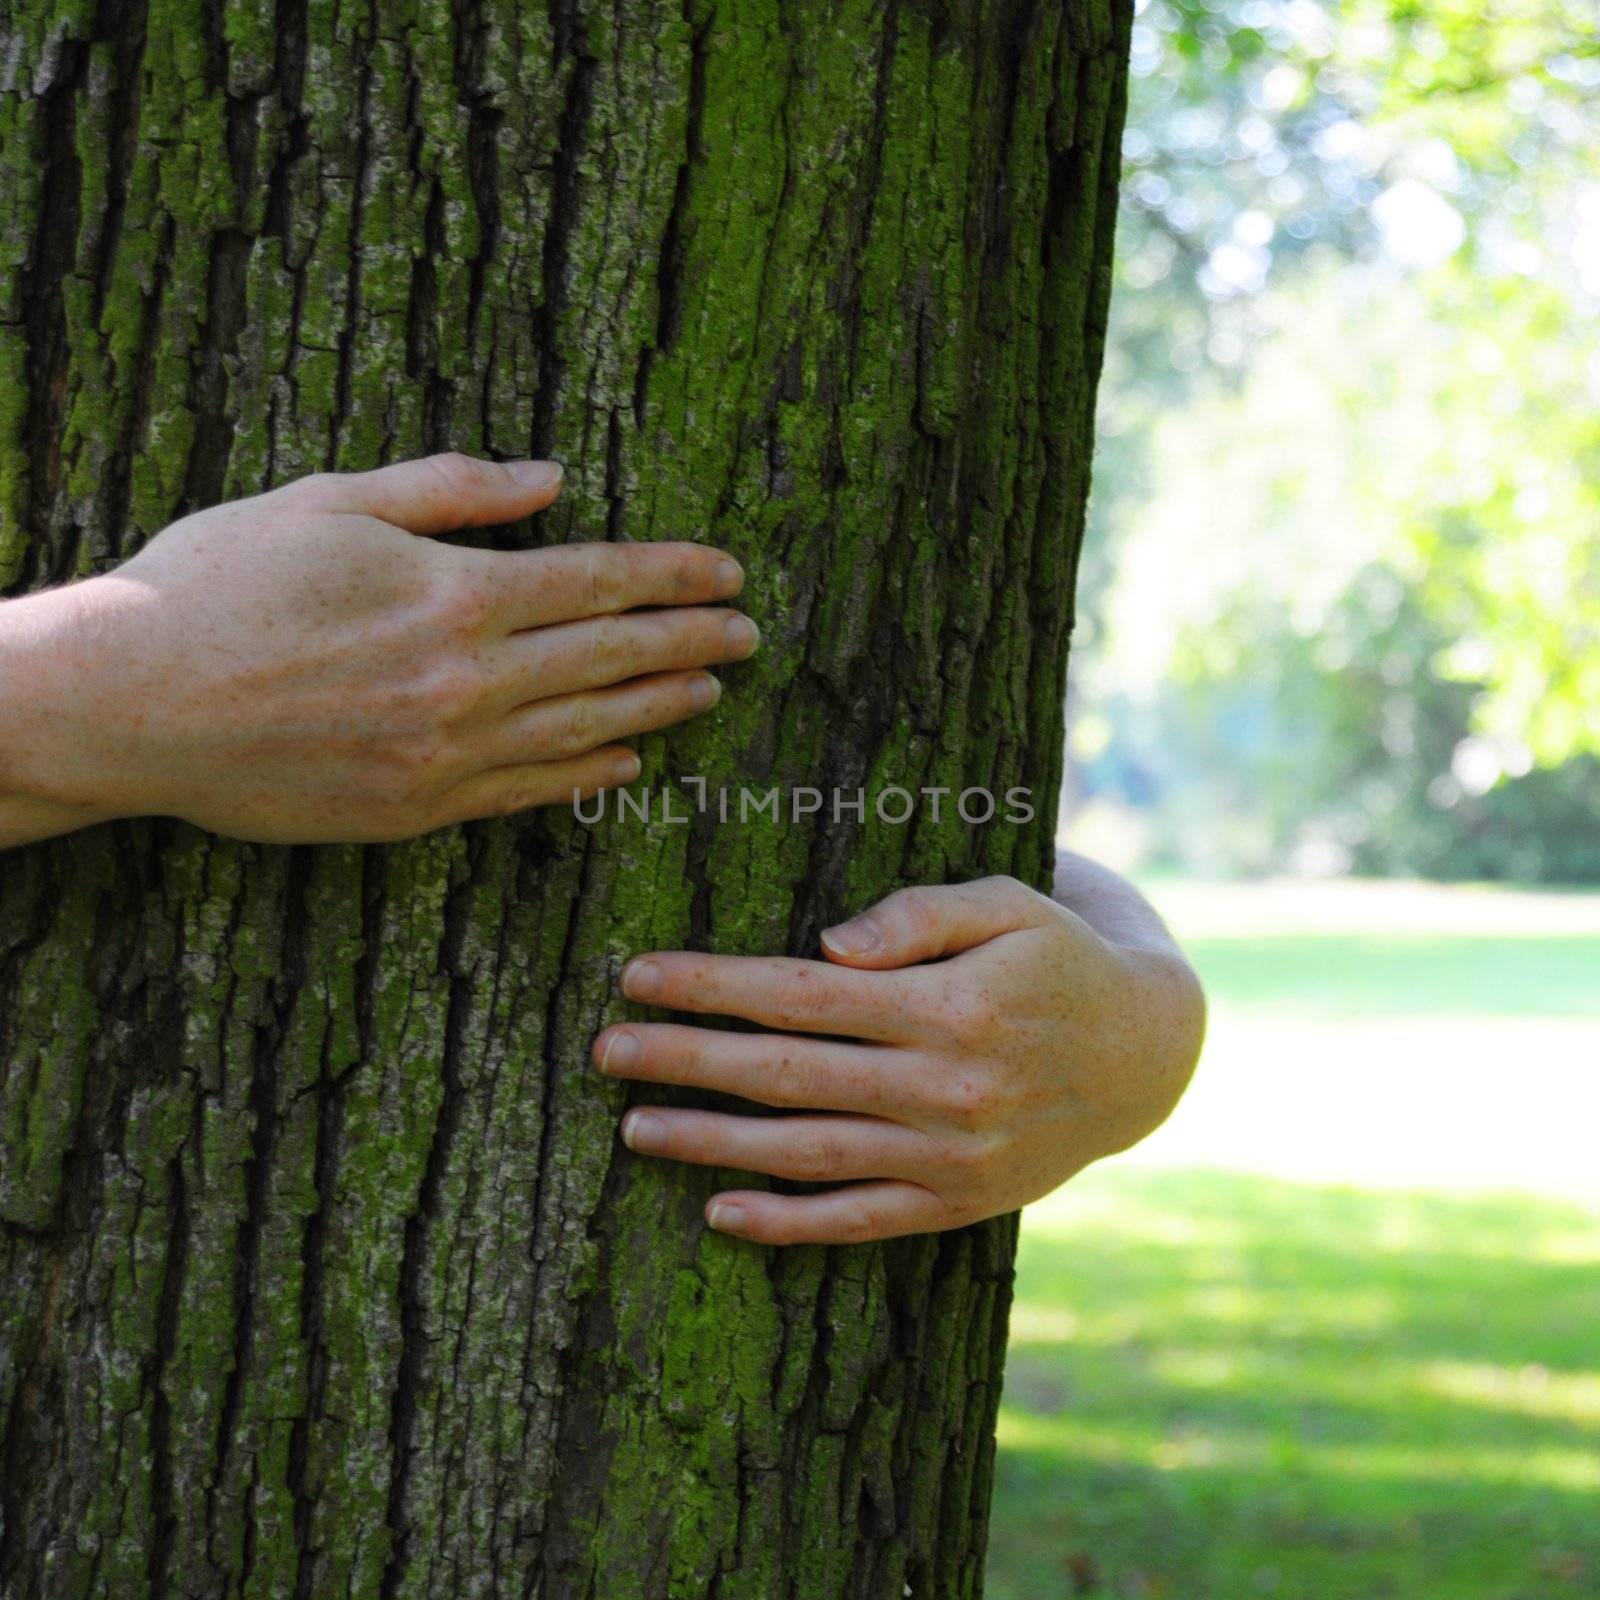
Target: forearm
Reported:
point(31, 672)
point(1110, 905)
point(25, 819)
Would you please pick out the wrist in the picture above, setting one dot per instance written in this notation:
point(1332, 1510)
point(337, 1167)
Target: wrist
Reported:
point(46, 786)
point(1171, 990)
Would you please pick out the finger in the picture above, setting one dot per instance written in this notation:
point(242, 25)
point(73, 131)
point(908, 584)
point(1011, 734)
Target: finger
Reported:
point(572, 723)
point(571, 581)
point(439, 494)
point(807, 1149)
point(778, 992)
point(499, 791)
point(855, 1214)
point(774, 1069)
point(922, 924)
point(537, 663)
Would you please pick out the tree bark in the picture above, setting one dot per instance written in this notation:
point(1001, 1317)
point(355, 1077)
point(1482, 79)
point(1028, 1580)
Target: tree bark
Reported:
point(322, 1271)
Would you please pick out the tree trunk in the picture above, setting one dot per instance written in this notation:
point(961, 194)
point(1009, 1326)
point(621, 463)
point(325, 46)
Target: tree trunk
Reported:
point(322, 1270)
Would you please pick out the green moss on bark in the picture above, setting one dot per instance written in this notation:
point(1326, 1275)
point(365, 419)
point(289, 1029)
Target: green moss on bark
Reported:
point(321, 1268)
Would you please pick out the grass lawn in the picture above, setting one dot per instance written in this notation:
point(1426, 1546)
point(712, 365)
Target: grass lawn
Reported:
point(1334, 1333)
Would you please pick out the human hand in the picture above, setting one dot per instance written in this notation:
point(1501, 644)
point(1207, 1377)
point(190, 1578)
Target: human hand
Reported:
point(301, 667)
point(961, 1088)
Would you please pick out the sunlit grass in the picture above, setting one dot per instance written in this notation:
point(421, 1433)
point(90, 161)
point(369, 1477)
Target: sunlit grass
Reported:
point(1407, 975)
point(1307, 1377)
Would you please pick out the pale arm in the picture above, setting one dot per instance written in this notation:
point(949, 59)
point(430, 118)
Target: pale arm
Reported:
point(1110, 905)
point(34, 660)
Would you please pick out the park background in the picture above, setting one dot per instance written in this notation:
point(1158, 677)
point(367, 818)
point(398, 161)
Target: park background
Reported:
point(1334, 1331)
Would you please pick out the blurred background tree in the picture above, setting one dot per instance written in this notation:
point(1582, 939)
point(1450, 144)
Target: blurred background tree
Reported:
point(1341, 604)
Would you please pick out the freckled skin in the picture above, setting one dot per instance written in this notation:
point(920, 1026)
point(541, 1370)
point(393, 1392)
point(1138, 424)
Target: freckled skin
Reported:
point(308, 667)
point(995, 1043)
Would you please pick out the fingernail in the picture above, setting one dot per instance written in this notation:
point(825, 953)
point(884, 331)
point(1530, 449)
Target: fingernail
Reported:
point(621, 1053)
point(535, 474)
point(627, 768)
point(725, 1217)
point(730, 576)
point(852, 938)
point(641, 980)
point(704, 692)
point(743, 635)
point(643, 1132)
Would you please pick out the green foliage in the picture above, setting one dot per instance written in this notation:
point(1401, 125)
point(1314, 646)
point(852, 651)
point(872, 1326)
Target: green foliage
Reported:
point(1348, 416)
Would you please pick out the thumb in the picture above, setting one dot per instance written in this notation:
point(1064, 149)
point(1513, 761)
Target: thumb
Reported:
point(922, 924)
point(439, 494)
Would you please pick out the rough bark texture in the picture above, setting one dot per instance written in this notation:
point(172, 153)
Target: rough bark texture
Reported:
point(321, 1270)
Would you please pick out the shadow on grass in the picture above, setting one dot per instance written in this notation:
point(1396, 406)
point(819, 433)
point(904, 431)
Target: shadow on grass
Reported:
point(1224, 1386)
